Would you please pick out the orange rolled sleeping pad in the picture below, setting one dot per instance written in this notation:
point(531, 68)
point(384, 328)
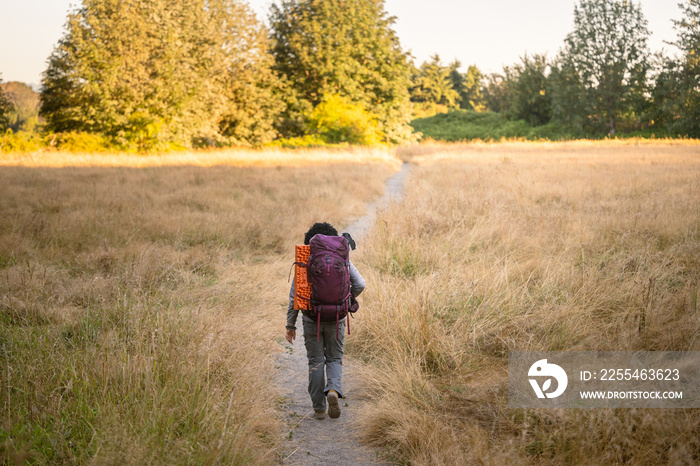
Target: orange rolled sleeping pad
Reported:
point(302, 286)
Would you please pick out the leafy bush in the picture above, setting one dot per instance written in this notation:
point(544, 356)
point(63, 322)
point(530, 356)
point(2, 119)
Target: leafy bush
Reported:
point(25, 141)
point(79, 142)
point(337, 120)
point(460, 125)
point(20, 142)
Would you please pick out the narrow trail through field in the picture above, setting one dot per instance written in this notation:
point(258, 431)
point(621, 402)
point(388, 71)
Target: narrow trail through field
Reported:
point(330, 441)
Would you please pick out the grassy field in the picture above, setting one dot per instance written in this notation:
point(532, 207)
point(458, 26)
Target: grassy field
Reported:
point(141, 298)
point(575, 246)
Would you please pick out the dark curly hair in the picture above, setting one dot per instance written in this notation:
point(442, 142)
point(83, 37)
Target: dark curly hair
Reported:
point(322, 228)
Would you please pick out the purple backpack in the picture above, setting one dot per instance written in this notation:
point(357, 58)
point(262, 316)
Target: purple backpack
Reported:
point(328, 271)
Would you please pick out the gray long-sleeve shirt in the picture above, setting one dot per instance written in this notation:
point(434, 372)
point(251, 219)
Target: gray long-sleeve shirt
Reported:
point(357, 286)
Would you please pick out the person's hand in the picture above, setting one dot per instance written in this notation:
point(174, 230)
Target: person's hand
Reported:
point(291, 336)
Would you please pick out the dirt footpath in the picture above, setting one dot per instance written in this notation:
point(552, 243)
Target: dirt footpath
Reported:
point(330, 441)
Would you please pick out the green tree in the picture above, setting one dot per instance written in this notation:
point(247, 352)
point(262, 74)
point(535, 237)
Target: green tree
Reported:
point(607, 51)
point(6, 109)
point(676, 94)
point(26, 102)
point(133, 70)
point(434, 83)
point(341, 47)
point(145, 72)
point(496, 93)
point(457, 80)
point(469, 86)
point(473, 90)
point(529, 90)
point(250, 85)
point(570, 103)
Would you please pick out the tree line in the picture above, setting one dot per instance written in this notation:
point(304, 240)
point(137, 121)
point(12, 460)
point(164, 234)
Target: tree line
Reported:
point(156, 73)
point(207, 72)
point(604, 79)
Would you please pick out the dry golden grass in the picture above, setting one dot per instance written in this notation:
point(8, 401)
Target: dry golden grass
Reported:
point(233, 157)
point(579, 246)
point(432, 152)
point(139, 307)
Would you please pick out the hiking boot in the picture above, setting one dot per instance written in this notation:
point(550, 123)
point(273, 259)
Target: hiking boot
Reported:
point(333, 406)
point(319, 415)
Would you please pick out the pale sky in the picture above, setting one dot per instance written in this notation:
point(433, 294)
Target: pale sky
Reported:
point(487, 33)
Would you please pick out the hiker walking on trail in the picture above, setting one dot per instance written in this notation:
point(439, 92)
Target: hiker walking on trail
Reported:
point(334, 283)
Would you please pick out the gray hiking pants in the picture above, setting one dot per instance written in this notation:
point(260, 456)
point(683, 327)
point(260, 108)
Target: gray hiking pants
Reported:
point(325, 359)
